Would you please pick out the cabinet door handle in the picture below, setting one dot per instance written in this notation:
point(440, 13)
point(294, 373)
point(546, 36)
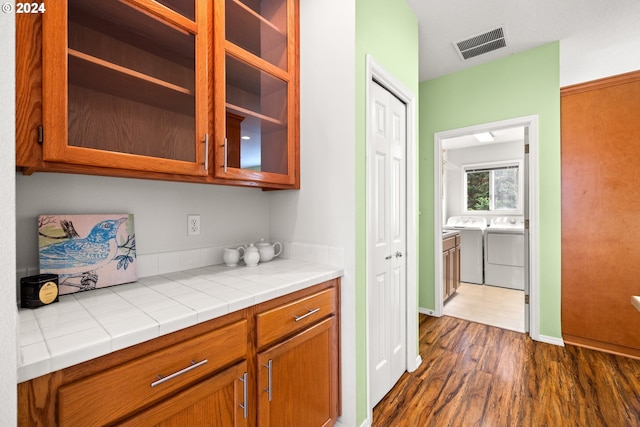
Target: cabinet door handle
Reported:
point(398, 254)
point(311, 311)
point(206, 151)
point(244, 405)
point(225, 154)
point(193, 365)
point(269, 390)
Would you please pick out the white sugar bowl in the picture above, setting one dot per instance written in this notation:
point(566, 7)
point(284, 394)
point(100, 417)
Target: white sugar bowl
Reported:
point(251, 256)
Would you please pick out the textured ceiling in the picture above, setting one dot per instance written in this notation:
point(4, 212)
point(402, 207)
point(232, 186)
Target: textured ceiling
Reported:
point(580, 25)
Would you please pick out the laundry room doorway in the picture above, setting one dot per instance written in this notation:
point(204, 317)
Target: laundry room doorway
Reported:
point(485, 192)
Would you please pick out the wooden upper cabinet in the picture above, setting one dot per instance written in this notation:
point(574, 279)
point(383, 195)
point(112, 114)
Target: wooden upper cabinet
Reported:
point(124, 84)
point(255, 48)
point(180, 90)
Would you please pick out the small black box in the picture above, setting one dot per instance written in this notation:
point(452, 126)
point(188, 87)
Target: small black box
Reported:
point(38, 290)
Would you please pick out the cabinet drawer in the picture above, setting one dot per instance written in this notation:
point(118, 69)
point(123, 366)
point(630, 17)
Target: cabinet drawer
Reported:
point(288, 318)
point(109, 395)
point(448, 243)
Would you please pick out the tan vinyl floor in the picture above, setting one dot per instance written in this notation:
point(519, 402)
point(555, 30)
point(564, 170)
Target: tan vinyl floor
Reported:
point(490, 305)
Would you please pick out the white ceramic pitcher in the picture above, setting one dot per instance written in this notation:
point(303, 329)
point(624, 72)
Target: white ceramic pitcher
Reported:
point(232, 256)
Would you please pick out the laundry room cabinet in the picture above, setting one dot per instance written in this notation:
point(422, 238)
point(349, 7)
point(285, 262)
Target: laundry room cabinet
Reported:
point(450, 266)
point(193, 91)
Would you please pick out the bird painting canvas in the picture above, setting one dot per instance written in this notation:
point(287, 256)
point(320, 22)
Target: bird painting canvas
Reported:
point(87, 251)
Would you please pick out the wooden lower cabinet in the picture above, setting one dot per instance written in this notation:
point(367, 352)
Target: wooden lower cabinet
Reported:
point(211, 374)
point(446, 271)
point(296, 381)
point(217, 401)
point(450, 266)
point(125, 388)
point(456, 264)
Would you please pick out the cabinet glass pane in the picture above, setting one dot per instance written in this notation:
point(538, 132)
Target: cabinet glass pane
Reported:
point(256, 119)
point(260, 27)
point(186, 8)
point(131, 82)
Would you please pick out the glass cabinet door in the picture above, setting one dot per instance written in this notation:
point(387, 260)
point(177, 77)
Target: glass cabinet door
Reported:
point(258, 104)
point(259, 27)
point(131, 97)
point(257, 101)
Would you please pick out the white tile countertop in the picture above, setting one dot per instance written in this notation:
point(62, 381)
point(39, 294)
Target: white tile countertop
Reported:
point(87, 325)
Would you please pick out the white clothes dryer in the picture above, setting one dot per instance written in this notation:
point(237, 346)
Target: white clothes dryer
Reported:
point(471, 230)
point(504, 253)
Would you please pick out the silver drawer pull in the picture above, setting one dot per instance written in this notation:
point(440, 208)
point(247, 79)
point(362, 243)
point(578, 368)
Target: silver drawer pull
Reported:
point(226, 153)
point(245, 386)
point(311, 311)
point(269, 388)
point(162, 379)
point(206, 151)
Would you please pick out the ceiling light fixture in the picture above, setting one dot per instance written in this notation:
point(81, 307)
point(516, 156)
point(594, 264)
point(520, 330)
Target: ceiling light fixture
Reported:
point(484, 136)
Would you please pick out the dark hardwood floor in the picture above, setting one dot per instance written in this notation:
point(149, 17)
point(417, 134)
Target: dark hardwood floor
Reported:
point(477, 375)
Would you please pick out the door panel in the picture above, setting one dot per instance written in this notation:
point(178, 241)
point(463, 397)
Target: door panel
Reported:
point(295, 379)
point(387, 242)
point(600, 205)
point(527, 256)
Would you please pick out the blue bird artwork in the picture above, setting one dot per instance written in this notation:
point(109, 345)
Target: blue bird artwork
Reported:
point(102, 255)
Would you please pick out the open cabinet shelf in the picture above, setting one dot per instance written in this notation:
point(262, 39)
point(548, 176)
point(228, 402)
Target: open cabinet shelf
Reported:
point(97, 74)
point(246, 112)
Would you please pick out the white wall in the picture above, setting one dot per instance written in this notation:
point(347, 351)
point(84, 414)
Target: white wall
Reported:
point(228, 215)
point(594, 54)
point(581, 66)
point(323, 211)
point(8, 312)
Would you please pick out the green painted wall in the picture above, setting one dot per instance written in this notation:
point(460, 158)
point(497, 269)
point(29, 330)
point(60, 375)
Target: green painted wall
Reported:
point(387, 30)
point(524, 84)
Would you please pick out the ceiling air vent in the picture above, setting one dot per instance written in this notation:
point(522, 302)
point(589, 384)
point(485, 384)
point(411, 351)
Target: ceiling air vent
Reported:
point(481, 43)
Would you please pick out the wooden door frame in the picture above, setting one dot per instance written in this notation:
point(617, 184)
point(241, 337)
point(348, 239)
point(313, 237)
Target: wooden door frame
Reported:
point(377, 73)
point(531, 122)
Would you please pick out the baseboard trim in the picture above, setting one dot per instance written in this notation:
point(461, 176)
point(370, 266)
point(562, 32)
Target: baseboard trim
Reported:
point(418, 362)
point(427, 311)
point(618, 350)
point(550, 340)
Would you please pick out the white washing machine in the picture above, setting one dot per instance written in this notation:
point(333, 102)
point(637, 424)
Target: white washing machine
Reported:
point(471, 230)
point(504, 252)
